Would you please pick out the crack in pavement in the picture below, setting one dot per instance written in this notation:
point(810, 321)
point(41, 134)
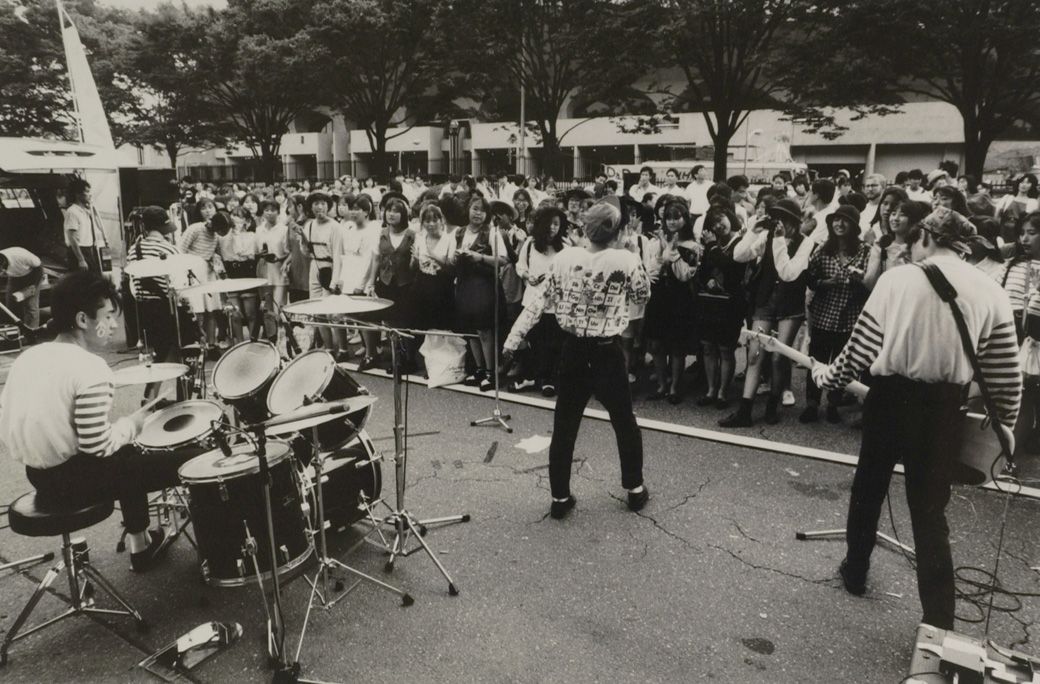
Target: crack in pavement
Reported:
point(741, 530)
point(826, 581)
point(645, 516)
point(688, 497)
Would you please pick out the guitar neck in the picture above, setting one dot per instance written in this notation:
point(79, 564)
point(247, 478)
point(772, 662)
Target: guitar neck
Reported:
point(805, 361)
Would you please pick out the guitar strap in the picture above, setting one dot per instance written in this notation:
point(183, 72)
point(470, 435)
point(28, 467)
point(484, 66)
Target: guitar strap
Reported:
point(948, 294)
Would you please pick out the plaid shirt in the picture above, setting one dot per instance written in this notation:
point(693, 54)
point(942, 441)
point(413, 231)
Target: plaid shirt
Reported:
point(836, 308)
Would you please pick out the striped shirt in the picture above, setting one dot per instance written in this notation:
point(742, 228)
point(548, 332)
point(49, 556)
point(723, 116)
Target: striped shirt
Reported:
point(1020, 278)
point(56, 403)
point(906, 329)
point(149, 247)
point(199, 241)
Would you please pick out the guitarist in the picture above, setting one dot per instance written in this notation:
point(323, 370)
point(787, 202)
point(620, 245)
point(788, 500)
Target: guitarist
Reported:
point(908, 338)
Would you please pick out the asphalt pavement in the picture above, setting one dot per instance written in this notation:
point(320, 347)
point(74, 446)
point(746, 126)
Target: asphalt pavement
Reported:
point(706, 583)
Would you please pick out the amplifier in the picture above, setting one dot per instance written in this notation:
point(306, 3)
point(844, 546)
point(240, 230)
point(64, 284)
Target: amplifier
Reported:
point(946, 656)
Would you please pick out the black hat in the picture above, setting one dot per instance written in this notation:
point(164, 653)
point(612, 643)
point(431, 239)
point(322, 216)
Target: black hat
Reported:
point(847, 212)
point(786, 208)
point(156, 218)
point(393, 194)
point(577, 193)
point(319, 196)
point(499, 207)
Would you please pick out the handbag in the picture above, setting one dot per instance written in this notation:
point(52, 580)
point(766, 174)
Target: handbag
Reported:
point(974, 463)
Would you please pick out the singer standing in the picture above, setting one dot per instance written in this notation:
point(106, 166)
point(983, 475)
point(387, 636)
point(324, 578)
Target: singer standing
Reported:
point(590, 290)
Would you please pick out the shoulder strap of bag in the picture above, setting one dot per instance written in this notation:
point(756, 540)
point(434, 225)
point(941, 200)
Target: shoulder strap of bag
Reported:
point(948, 294)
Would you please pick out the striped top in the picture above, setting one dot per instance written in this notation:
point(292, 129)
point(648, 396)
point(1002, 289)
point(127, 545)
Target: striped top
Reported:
point(149, 246)
point(906, 329)
point(198, 241)
point(56, 403)
point(1020, 278)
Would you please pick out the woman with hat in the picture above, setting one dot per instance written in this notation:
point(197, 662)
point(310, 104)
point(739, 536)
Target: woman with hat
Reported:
point(534, 262)
point(322, 237)
point(835, 275)
point(776, 289)
point(152, 294)
point(478, 252)
point(669, 322)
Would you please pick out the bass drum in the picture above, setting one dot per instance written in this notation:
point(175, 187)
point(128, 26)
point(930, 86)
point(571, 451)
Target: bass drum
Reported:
point(243, 376)
point(348, 473)
point(314, 376)
point(226, 500)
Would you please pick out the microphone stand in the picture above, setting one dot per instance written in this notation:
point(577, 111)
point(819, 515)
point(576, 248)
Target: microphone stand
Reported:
point(497, 418)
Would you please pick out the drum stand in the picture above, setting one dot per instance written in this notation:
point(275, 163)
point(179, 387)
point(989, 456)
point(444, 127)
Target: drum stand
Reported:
point(327, 564)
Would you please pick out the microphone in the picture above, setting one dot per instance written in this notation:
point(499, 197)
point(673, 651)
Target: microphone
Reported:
point(222, 439)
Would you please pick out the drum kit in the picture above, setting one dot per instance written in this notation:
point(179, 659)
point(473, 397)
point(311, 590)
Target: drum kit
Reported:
point(282, 460)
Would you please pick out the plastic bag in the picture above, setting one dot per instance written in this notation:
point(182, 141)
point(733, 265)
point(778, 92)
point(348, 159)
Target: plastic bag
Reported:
point(445, 359)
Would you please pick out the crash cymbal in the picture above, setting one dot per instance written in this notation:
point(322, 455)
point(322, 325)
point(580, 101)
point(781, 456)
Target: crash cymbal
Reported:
point(172, 264)
point(314, 414)
point(146, 373)
point(337, 305)
point(225, 285)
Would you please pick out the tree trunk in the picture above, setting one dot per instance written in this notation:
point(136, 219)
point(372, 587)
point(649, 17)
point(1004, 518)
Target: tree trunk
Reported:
point(382, 159)
point(171, 151)
point(721, 154)
point(269, 162)
point(976, 146)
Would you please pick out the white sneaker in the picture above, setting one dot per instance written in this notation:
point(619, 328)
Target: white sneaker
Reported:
point(787, 399)
point(631, 378)
point(354, 339)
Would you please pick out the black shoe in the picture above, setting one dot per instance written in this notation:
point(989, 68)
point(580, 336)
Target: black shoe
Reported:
point(855, 585)
point(832, 414)
point(638, 500)
point(811, 414)
point(721, 403)
point(486, 384)
point(706, 401)
point(143, 561)
point(739, 418)
point(366, 363)
point(674, 398)
point(472, 380)
point(657, 394)
point(559, 509)
point(548, 390)
point(772, 417)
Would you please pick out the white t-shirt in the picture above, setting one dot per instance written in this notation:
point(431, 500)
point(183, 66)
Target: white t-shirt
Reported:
point(20, 261)
point(697, 195)
point(359, 245)
point(38, 401)
point(78, 223)
point(638, 192)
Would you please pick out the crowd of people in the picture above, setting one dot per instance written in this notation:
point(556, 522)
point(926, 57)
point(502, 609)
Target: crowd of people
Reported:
point(796, 258)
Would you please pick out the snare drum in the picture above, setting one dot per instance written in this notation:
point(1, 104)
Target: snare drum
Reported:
point(187, 425)
point(243, 376)
point(346, 473)
point(226, 501)
point(314, 376)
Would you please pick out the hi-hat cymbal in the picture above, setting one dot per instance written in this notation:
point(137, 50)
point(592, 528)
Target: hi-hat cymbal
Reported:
point(337, 305)
point(225, 285)
point(314, 414)
point(171, 264)
point(145, 373)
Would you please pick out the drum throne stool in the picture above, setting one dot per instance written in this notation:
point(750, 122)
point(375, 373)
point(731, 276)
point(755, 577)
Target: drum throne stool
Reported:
point(29, 519)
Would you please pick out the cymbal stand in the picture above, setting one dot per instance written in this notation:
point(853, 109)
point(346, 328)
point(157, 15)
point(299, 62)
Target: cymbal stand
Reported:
point(326, 564)
point(497, 418)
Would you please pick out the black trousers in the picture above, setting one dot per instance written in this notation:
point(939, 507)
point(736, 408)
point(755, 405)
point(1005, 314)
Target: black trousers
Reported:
point(546, 339)
point(909, 421)
point(593, 366)
point(824, 346)
point(126, 476)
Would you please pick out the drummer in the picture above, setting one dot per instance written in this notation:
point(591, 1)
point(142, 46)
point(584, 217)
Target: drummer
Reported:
point(152, 294)
point(200, 239)
point(55, 418)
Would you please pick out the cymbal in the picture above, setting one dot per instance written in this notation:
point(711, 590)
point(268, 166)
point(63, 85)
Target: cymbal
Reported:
point(225, 285)
point(144, 373)
point(172, 264)
point(334, 305)
point(314, 414)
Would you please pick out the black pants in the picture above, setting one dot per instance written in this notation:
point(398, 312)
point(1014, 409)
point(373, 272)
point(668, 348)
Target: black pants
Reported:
point(546, 339)
point(127, 476)
point(824, 346)
point(909, 421)
point(593, 366)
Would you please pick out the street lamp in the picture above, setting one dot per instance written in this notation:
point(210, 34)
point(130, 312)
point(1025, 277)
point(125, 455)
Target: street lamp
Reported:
point(453, 132)
point(748, 133)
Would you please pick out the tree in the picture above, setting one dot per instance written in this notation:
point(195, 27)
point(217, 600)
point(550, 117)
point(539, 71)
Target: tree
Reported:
point(382, 63)
point(34, 97)
point(568, 56)
point(981, 56)
point(158, 69)
point(259, 70)
point(741, 55)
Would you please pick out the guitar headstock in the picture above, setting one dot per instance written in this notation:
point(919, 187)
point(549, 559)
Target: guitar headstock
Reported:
point(765, 339)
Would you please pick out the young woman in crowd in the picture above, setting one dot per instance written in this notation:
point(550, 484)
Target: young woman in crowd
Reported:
point(985, 253)
point(394, 272)
point(433, 259)
point(321, 238)
point(951, 198)
point(237, 250)
point(721, 303)
point(534, 261)
point(475, 287)
point(634, 219)
point(200, 239)
point(776, 291)
point(891, 249)
point(272, 249)
point(670, 326)
point(355, 264)
point(1027, 430)
point(524, 206)
point(511, 284)
point(835, 275)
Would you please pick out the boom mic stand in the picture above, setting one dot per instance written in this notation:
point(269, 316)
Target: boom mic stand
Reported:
point(497, 418)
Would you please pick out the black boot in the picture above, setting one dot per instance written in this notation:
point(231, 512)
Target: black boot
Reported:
point(772, 417)
point(740, 418)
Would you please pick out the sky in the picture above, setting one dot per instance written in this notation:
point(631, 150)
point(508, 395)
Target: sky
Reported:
point(150, 4)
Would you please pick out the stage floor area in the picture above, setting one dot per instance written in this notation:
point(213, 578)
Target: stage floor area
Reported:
point(706, 583)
